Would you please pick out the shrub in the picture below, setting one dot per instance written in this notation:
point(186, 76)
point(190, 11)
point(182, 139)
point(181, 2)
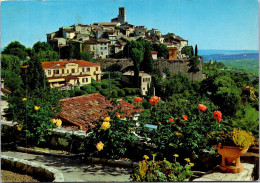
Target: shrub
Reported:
point(114, 133)
point(121, 93)
point(34, 120)
point(161, 171)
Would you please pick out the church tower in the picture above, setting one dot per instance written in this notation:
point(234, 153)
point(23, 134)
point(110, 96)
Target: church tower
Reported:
point(122, 15)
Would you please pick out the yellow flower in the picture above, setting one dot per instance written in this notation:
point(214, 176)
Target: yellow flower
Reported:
point(191, 164)
point(118, 116)
point(19, 127)
point(105, 126)
point(146, 157)
point(187, 159)
point(99, 146)
point(58, 122)
point(154, 157)
point(53, 120)
point(36, 108)
point(176, 155)
point(107, 118)
point(24, 99)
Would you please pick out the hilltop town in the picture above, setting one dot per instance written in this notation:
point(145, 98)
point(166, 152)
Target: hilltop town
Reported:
point(108, 39)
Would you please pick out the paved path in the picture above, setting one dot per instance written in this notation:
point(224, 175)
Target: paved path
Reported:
point(76, 170)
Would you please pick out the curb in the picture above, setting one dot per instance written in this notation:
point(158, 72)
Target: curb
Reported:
point(90, 159)
point(32, 168)
point(35, 151)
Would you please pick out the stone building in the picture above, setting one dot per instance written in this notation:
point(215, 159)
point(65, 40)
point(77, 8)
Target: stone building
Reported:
point(144, 80)
point(121, 16)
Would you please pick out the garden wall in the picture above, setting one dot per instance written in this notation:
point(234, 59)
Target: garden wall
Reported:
point(175, 66)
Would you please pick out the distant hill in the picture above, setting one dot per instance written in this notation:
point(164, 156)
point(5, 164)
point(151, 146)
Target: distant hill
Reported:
point(228, 54)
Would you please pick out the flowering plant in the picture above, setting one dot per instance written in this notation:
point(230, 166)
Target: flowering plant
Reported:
point(231, 137)
point(161, 171)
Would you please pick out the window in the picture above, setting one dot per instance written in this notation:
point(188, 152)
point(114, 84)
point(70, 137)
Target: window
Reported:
point(88, 69)
point(101, 48)
point(105, 48)
point(84, 80)
point(72, 70)
point(67, 71)
point(56, 71)
point(62, 71)
point(49, 72)
point(101, 53)
point(143, 88)
point(96, 68)
point(83, 69)
point(78, 70)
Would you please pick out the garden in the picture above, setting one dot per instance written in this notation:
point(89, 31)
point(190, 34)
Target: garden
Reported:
point(183, 129)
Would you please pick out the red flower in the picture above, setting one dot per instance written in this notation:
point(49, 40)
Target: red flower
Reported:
point(202, 107)
point(170, 120)
point(185, 117)
point(138, 99)
point(218, 115)
point(154, 100)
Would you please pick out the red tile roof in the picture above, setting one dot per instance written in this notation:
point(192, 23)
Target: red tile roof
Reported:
point(154, 52)
point(4, 90)
point(82, 111)
point(81, 63)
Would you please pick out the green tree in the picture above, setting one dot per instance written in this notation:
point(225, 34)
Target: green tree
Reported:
point(74, 49)
point(35, 77)
point(42, 46)
point(137, 56)
point(162, 49)
point(86, 56)
point(187, 50)
point(46, 56)
point(17, 49)
point(194, 65)
point(196, 50)
point(226, 95)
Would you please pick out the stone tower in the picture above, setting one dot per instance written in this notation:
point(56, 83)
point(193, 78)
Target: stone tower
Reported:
point(122, 15)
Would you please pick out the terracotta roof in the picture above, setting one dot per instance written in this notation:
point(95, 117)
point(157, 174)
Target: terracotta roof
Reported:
point(4, 90)
point(24, 67)
point(91, 41)
point(81, 63)
point(102, 41)
point(83, 110)
point(154, 52)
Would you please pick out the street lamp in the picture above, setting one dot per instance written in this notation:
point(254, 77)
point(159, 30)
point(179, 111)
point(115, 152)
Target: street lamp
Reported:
point(44, 73)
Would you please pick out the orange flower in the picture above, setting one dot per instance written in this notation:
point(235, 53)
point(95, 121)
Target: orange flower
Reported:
point(154, 100)
point(218, 115)
point(138, 99)
point(159, 122)
point(185, 117)
point(202, 107)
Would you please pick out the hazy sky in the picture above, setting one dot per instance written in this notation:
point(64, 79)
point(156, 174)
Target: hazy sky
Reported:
point(212, 24)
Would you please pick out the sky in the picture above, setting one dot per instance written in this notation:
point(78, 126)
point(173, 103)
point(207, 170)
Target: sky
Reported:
point(211, 24)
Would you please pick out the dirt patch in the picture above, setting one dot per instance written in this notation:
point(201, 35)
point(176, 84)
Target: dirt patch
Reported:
point(9, 176)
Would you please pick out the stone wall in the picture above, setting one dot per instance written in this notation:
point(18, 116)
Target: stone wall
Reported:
point(175, 66)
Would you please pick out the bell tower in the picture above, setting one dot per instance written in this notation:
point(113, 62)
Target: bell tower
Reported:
point(122, 15)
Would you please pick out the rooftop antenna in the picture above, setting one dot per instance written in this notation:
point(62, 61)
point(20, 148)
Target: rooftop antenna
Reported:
point(78, 19)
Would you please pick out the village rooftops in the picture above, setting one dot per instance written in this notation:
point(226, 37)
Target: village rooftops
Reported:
point(83, 111)
point(107, 24)
point(81, 63)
